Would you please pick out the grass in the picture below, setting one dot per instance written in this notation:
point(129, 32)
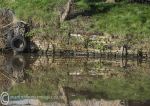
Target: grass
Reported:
point(40, 11)
point(119, 18)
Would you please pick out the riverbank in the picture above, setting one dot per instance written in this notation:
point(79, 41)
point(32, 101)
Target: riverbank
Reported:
point(121, 27)
point(94, 44)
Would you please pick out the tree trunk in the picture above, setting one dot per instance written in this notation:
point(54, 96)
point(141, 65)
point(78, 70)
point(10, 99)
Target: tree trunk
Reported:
point(66, 11)
point(110, 1)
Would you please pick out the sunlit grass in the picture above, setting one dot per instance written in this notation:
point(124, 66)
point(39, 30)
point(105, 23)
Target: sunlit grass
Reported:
point(120, 18)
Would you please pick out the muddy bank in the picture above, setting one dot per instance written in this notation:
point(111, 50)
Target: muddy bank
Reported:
point(96, 46)
point(106, 45)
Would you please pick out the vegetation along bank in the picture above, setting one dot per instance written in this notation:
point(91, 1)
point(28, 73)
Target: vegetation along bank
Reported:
point(98, 26)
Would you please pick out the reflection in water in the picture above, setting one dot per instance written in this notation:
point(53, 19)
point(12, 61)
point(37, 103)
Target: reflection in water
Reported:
point(75, 81)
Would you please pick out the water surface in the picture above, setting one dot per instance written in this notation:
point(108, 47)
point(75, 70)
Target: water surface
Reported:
point(79, 81)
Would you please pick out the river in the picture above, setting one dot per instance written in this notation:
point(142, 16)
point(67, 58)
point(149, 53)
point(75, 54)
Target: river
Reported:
point(74, 81)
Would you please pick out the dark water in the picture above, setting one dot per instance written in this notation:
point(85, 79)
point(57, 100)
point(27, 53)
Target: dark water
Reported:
point(46, 81)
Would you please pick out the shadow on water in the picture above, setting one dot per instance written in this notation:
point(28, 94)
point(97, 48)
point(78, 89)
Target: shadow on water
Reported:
point(75, 81)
